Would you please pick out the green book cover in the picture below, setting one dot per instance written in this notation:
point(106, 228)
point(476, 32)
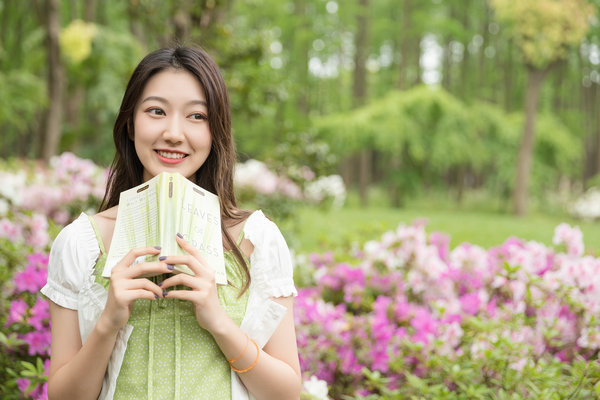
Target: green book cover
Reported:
point(152, 213)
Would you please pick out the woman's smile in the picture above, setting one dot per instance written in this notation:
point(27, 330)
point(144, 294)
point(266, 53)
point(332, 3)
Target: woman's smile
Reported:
point(170, 156)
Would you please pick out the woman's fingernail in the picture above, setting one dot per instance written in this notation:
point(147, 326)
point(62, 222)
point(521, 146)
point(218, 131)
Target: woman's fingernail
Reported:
point(170, 267)
point(160, 283)
point(155, 296)
point(162, 258)
point(157, 247)
point(165, 293)
point(180, 235)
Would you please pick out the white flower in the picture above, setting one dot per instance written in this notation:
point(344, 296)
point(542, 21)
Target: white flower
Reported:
point(3, 207)
point(324, 187)
point(587, 207)
point(12, 185)
point(316, 388)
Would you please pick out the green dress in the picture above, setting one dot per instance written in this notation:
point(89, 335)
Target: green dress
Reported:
point(169, 356)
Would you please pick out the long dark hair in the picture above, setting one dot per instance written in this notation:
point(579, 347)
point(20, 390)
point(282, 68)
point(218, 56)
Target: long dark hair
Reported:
point(216, 174)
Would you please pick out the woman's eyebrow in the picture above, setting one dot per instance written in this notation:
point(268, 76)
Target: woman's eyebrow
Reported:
point(165, 101)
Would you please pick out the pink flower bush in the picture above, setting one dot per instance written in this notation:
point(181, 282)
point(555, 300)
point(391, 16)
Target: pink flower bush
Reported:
point(34, 277)
point(254, 179)
point(29, 322)
point(408, 298)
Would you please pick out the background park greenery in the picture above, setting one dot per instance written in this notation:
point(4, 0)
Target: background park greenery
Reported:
point(410, 98)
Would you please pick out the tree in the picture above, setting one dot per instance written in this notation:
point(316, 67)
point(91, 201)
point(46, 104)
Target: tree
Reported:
point(359, 91)
point(544, 30)
point(53, 120)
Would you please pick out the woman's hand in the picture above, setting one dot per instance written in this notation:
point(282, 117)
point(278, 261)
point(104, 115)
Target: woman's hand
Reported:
point(203, 293)
point(127, 286)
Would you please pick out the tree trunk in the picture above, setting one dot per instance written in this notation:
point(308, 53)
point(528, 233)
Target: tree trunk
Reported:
point(508, 77)
point(594, 117)
point(394, 187)
point(135, 25)
point(53, 118)
point(535, 78)
point(89, 10)
point(300, 54)
point(403, 65)
point(359, 93)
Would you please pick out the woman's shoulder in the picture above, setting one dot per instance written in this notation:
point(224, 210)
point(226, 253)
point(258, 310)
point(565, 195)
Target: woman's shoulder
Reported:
point(105, 216)
point(79, 229)
point(265, 237)
point(258, 224)
point(72, 257)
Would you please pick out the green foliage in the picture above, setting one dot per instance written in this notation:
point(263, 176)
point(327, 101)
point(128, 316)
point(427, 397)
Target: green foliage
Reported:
point(478, 221)
point(492, 378)
point(103, 75)
point(545, 29)
point(431, 133)
point(20, 94)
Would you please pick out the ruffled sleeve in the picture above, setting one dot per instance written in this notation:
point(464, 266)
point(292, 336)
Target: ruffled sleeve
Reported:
point(271, 266)
point(72, 259)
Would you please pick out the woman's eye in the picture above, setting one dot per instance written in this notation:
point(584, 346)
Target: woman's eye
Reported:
point(198, 116)
point(155, 111)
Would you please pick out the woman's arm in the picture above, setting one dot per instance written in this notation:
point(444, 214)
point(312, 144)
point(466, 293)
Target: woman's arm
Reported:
point(276, 375)
point(76, 371)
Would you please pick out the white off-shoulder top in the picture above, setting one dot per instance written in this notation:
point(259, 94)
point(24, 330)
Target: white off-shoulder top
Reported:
point(71, 284)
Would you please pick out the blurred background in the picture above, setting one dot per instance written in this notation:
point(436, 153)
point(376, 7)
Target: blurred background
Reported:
point(465, 112)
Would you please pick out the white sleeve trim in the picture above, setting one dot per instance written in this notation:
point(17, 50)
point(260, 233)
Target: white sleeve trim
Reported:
point(71, 262)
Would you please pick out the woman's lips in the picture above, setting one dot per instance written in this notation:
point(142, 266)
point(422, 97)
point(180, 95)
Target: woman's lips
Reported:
point(170, 157)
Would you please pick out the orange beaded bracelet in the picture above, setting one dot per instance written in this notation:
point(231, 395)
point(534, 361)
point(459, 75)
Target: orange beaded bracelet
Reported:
point(241, 371)
point(243, 352)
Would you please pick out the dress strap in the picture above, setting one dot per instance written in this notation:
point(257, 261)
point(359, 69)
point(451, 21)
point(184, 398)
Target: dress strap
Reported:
point(97, 232)
point(238, 242)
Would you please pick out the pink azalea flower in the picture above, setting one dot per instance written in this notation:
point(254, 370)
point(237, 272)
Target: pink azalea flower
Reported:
point(470, 303)
point(39, 314)
point(424, 324)
point(38, 342)
point(572, 238)
point(10, 230)
point(30, 280)
point(18, 309)
point(23, 385)
point(442, 243)
point(41, 393)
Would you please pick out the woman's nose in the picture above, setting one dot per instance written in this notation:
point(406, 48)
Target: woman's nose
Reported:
point(173, 130)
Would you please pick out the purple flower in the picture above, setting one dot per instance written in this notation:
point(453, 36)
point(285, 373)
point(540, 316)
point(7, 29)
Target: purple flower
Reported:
point(38, 342)
point(35, 275)
point(39, 314)
point(348, 362)
point(40, 392)
point(470, 303)
point(18, 309)
point(29, 280)
point(442, 243)
point(424, 324)
point(23, 384)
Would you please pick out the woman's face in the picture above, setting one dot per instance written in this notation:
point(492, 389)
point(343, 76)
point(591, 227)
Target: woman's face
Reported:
point(171, 132)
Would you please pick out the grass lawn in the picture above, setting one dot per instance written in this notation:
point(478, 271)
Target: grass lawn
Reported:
point(317, 230)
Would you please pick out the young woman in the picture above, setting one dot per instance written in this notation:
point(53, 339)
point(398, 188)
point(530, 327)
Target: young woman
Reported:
point(173, 336)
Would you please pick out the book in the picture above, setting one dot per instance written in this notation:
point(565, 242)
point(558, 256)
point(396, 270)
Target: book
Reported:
point(152, 213)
